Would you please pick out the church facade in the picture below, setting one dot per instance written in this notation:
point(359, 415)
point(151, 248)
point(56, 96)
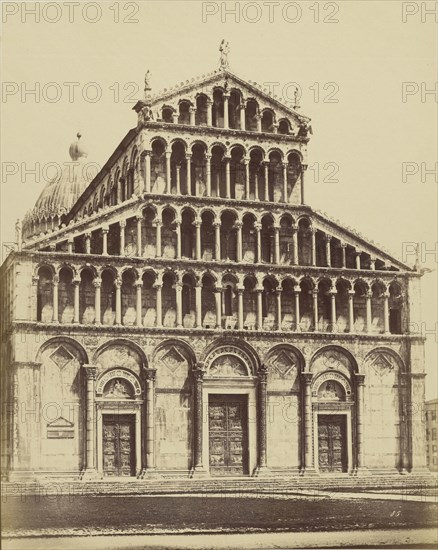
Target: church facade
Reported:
point(185, 313)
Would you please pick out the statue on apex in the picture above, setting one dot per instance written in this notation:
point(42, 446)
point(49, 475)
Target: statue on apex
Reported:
point(224, 48)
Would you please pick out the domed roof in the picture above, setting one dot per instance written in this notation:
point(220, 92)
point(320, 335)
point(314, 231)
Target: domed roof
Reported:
point(60, 193)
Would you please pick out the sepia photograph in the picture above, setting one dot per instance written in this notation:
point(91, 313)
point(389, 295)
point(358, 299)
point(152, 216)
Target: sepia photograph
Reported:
point(219, 292)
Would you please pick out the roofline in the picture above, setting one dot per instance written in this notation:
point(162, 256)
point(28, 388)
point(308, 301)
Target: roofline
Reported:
point(103, 172)
point(212, 76)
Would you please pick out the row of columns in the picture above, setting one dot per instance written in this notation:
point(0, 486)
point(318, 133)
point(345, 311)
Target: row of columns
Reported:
point(97, 282)
point(217, 231)
point(208, 183)
point(198, 378)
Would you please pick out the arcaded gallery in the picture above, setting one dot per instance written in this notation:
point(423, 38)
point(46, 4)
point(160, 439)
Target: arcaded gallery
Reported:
point(185, 313)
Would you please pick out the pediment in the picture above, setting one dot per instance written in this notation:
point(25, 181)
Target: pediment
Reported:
point(60, 422)
point(224, 79)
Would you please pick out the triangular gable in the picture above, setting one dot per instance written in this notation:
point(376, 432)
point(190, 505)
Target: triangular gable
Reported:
point(60, 422)
point(218, 77)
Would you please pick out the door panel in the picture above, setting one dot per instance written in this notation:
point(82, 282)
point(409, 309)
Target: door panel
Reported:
point(228, 435)
point(118, 446)
point(332, 443)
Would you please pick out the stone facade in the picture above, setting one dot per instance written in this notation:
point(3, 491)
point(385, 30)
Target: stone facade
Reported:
point(191, 315)
point(431, 413)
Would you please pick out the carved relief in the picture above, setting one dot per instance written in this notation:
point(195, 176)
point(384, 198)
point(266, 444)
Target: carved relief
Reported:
point(118, 389)
point(118, 383)
point(232, 356)
point(61, 357)
point(227, 365)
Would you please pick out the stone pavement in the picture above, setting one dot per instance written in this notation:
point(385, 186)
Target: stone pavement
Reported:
point(400, 538)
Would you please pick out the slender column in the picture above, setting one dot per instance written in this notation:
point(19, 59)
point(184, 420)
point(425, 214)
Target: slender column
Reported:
point(150, 375)
point(350, 311)
point(208, 179)
point(242, 116)
point(192, 112)
point(197, 225)
point(285, 194)
point(55, 287)
point(358, 259)
point(76, 283)
point(369, 315)
point(217, 233)
point(168, 174)
point(218, 181)
point(313, 238)
point(87, 243)
point(308, 441)
point(139, 220)
point(189, 173)
point(147, 171)
point(386, 312)
point(246, 168)
point(373, 264)
point(315, 309)
point(122, 225)
point(262, 427)
point(240, 307)
point(178, 239)
point(297, 290)
point(226, 121)
point(158, 239)
point(259, 291)
point(238, 226)
point(118, 285)
point(139, 316)
point(97, 283)
point(178, 179)
point(105, 231)
point(159, 312)
point(90, 468)
point(198, 377)
point(198, 299)
point(256, 185)
point(295, 245)
point(266, 169)
point(277, 244)
point(328, 252)
point(279, 317)
point(258, 227)
point(209, 117)
point(344, 254)
point(304, 168)
point(218, 298)
point(333, 309)
point(360, 382)
point(259, 122)
point(70, 244)
point(179, 317)
point(227, 178)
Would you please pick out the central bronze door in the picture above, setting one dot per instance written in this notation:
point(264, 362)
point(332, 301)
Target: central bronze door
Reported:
point(228, 435)
point(332, 456)
point(118, 445)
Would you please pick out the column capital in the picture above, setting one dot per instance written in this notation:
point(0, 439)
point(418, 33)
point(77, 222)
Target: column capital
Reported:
point(360, 379)
point(55, 280)
point(197, 223)
point(87, 235)
point(90, 371)
point(139, 218)
point(258, 226)
point(328, 238)
point(332, 292)
point(217, 224)
point(297, 289)
point(168, 154)
point(357, 252)
point(188, 156)
point(122, 223)
point(198, 373)
point(192, 109)
point(157, 223)
point(147, 153)
point(263, 373)
point(149, 374)
point(307, 377)
point(97, 282)
point(208, 156)
point(238, 224)
point(76, 281)
point(158, 285)
point(342, 245)
point(138, 283)
point(351, 294)
point(118, 282)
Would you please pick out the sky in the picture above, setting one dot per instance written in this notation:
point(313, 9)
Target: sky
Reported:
point(364, 70)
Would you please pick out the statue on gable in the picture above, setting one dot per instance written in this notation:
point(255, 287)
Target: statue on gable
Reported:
point(224, 48)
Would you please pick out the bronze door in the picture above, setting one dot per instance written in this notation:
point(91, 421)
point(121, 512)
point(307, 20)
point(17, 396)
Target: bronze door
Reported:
point(332, 456)
point(118, 445)
point(228, 435)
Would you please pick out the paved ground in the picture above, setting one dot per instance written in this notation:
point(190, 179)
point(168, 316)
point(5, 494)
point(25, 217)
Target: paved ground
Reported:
point(418, 538)
point(129, 515)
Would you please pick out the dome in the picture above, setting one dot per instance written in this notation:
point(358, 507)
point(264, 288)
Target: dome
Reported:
point(60, 193)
